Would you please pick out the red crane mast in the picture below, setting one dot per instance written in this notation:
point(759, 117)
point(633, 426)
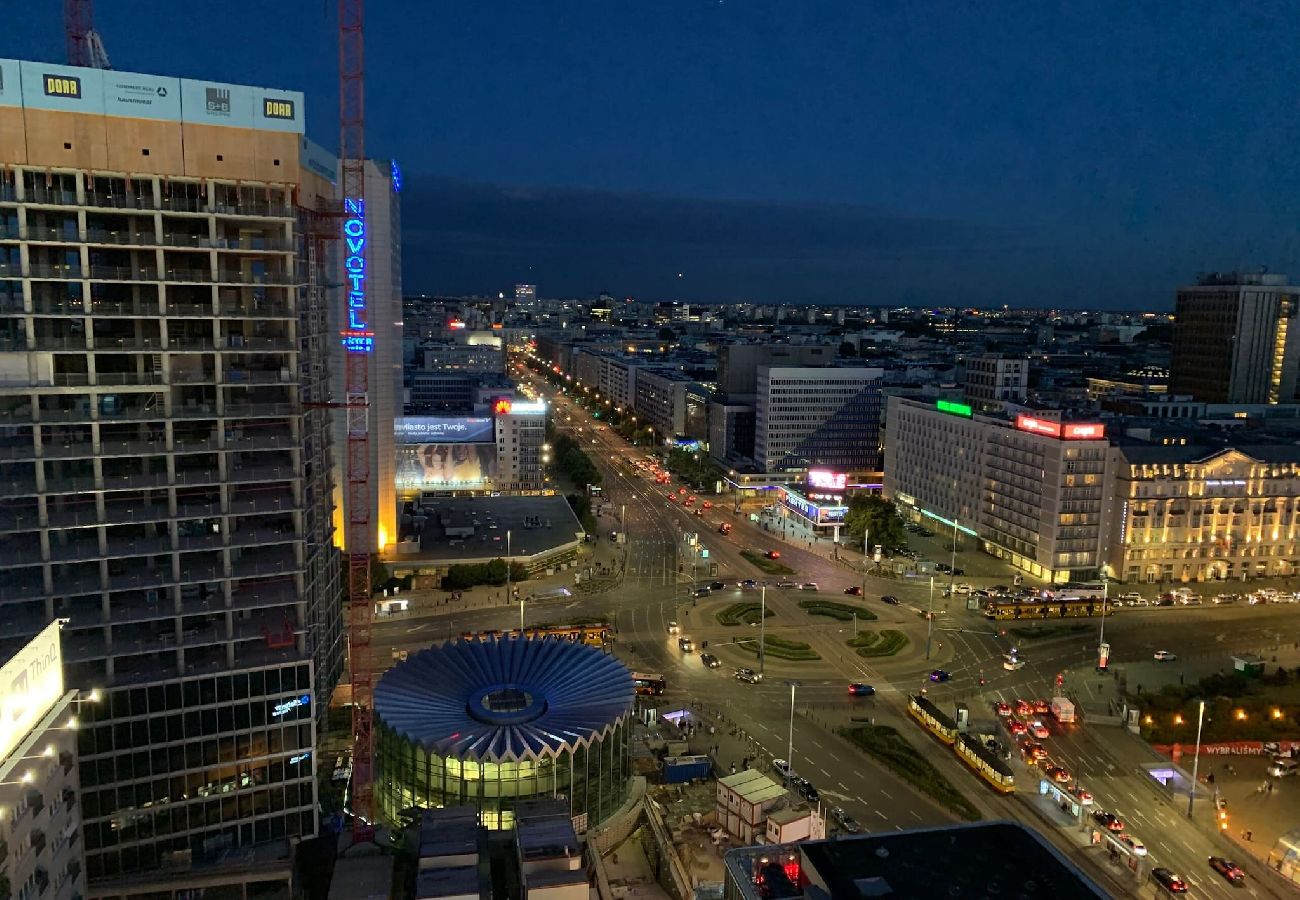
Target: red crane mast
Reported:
point(357, 343)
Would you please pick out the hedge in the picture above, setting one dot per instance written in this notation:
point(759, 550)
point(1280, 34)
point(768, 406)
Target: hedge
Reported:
point(889, 748)
point(744, 612)
point(841, 611)
point(878, 643)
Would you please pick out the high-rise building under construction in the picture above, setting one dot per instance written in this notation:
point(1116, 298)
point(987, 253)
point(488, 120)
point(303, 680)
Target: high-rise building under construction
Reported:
point(165, 458)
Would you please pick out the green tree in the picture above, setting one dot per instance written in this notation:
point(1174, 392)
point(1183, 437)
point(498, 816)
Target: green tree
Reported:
point(873, 515)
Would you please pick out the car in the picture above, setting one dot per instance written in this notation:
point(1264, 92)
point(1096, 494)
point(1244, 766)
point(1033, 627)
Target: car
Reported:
point(710, 661)
point(703, 591)
point(673, 628)
point(809, 792)
point(782, 768)
point(1109, 821)
point(1169, 881)
point(1012, 662)
point(1137, 847)
point(1034, 751)
point(1078, 793)
point(685, 644)
point(1165, 656)
point(1016, 727)
point(717, 585)
point(691, 499)
point(1039, 730)
point(786, 584)
point(943, 568)
point(749, 584)
point(854, 591)
point(708, 504)
point(700, 513)
point(773, 554)
point(749, 675)
point(890, 599)
point(925, 532)
point(858, 689)
point(963, 588)
point(1226, 598)
point(808, 586)
point(848, 824)
point(939, 675)
point(1042, 707)
point(1024, 708)
point(1130, 597)
point(1002, 709)
point(724, 528)
point(1059, 774)
point(1228, 869)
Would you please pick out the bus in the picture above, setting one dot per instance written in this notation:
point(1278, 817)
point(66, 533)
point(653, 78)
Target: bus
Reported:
point(649, 685)
point(1058, 608)
point(1079, 589)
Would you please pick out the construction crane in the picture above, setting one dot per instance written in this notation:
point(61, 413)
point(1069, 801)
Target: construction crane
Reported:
point(85, 48)
point(358, 340)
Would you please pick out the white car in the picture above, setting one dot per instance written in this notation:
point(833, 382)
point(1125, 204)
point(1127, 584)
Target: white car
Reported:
point(1131, 597)
point(1165, 656)
point(1138, 848)
point(964, 588)
point(673, 628)
point(783, 768)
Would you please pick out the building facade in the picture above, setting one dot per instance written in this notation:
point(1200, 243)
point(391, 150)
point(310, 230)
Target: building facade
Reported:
point(1235, 340)
point(827, 417)
point(520, 430)
point(41, 840)
point(994, 380)
point(661, 401)
point(166, 449)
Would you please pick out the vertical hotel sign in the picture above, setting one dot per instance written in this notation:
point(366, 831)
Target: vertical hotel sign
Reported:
point(30, 684)
point(357, 337)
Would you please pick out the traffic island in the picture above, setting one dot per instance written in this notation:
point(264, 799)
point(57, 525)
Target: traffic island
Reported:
point(875, 644)
point(746, 612)
point(891, 749)
point(770, 566)
point(781, 648)
point(841, 611)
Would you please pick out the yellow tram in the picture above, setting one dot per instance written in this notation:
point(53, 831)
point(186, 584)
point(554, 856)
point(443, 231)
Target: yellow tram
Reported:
point(931, 718)
point(985, 763)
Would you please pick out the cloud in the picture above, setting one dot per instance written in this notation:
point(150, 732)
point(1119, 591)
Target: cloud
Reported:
point(468, 237)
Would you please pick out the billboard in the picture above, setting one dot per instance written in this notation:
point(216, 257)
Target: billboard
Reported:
point(444, 430)
point(30, 684)
point(459, 466)
point(827, 480)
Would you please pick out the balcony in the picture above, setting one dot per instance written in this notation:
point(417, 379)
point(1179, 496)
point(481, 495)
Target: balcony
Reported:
point(262, 501)
point(126, 308)
point(253, 208)
point(123, 273)
point(113, 200)
point(70, 484)
point(185, 342)
point(257, 376)
point(184, 204)
point(120, 238)
point(235, 276)
point(74, 551)
point(188, 276)
point(193, 409)
point(258, 410)
point(201, 476)
point(248, 474)
point(119, 512)
point(56, 271)
point(255, 244)
point(241, 342)
point(186, 240)
point(49, 196)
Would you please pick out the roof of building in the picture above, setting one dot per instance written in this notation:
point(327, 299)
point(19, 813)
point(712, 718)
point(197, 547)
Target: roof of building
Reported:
point(509, 699)
point(985, 859)
point(454, 881)
point(752, 786)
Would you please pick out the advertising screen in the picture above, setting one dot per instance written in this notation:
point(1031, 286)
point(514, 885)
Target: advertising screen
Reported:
point(445, 466)
point(444, 430)
point(30, 683)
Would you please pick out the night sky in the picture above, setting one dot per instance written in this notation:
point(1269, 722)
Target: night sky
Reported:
point(857, 151)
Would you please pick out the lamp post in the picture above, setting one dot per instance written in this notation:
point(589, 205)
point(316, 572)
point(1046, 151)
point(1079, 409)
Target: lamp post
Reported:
point(952, 567)
point(1196, 760)
point(1102, 653)
point(762, 628)
point(510, 596)
point(929, 620)
point(789, 758)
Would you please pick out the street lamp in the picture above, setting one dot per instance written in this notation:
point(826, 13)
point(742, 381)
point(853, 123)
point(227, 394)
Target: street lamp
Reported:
point(1196, 760)
point(1102, 649)
point(929, 620)
point(762, 628)
point(789, 752)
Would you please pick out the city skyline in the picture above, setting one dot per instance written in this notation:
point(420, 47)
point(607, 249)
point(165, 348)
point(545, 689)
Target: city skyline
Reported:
point(892, 157)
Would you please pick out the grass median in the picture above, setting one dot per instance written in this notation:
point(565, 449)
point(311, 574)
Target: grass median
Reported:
point(874, 644)
point(770, 566)
point(781, 648)
point(746, 612)
point(891, 749)
point(844, 612)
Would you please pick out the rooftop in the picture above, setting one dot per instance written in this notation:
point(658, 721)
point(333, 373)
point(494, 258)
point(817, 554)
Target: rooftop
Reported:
point(753, 786)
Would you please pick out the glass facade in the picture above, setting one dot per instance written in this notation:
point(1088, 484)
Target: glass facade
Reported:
point(592, 778)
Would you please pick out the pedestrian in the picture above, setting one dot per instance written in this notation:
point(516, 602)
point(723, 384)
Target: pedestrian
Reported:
point(1270, 787)
point(733, 768)
point(1250, 835)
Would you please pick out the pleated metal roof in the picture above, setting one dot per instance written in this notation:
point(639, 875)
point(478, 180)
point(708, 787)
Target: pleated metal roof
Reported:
point(504, 700)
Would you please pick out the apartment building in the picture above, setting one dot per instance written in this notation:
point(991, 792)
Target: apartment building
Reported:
point(165, 450)
point(994, 380)
point(661, 400)
point(826, 417)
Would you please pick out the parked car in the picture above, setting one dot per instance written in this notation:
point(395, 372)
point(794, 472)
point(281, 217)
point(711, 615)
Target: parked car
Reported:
point(1109, 821)
point(782, 768)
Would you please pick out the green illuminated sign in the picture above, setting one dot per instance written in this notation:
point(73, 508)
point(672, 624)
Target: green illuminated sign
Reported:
point(956, 409)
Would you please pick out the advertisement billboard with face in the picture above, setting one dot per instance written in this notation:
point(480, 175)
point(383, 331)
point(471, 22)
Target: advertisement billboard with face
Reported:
point(442, 467)
point(444, 430)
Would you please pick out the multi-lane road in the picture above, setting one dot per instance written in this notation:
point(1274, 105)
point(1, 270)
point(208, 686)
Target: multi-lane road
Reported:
point(653, 592)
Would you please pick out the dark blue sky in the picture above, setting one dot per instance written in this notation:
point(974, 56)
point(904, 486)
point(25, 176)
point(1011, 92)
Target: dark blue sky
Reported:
point(856, 150)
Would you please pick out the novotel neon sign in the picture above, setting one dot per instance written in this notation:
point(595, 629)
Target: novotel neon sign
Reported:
point(1073, 431)
point(357, 337)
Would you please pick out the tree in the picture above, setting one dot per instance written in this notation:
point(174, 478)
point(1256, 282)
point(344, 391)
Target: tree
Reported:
point(875, 517)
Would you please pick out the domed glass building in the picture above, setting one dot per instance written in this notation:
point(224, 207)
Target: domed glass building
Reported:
point(492, 723)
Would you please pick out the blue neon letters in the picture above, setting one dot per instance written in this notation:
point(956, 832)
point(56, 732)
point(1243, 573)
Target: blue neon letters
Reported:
point(357, 338)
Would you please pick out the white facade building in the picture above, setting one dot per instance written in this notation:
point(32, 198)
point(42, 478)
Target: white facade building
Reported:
point(817, 416)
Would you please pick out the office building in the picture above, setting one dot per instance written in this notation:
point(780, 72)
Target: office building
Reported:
point(1235, 340)
point(41, 838)
point(166, 450)
point(377, 229)
point(823, 417)
point(994, 380)
point(661, 401)
point(520, 430)
point(738, 363)
point(1035, 491)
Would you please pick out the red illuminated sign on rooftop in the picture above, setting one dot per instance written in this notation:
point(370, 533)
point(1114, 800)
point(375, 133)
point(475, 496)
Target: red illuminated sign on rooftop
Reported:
point(1073, 431)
